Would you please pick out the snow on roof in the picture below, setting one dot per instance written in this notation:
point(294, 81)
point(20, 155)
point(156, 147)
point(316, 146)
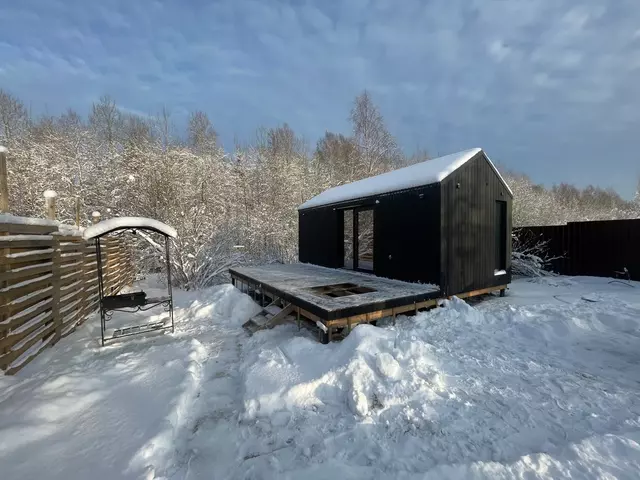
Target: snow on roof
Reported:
point(120, 223)
point(424, 173)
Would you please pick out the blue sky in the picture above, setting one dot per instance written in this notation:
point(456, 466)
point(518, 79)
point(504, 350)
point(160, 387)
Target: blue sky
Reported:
point(547, 87)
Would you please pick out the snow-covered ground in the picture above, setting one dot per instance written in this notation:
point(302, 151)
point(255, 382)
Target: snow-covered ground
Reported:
point(542, 383)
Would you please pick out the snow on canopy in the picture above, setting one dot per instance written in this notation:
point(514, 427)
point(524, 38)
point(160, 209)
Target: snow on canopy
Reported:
point(120, 223)
point(423, 173)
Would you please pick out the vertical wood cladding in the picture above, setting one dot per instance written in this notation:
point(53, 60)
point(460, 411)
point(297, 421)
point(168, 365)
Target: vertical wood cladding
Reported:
point(320, 237)
point(470, 197)
point(407, 235)
point(600, 248)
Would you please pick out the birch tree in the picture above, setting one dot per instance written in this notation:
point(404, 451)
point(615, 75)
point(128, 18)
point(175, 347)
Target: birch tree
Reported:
point(377, 148)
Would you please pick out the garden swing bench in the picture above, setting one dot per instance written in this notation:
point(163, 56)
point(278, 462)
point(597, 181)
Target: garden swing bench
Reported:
point(135, 301)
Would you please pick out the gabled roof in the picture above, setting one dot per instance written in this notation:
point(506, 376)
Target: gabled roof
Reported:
point(122, 223)
point(423, 173)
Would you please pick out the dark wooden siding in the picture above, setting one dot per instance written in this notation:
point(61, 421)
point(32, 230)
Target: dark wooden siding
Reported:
point(407, 235)
point(469, 217)
point(319, 237)
point(598, 248)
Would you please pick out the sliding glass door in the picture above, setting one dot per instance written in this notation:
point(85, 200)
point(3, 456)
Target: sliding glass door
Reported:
point(358, 239)
point(364, 245)
point(347, 240)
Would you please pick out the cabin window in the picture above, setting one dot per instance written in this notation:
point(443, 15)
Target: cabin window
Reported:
point(348, 239)
point(364, 234)
point(501, 237)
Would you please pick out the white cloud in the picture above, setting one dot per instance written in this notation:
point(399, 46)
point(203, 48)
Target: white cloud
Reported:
point(435, 67)
point(498, 50)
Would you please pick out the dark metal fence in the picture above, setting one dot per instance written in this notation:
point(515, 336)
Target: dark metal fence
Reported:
point(601, 248)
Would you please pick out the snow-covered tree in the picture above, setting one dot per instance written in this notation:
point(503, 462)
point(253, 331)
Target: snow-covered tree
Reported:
point(14, 119)
point(377, 148)
point(228, 207)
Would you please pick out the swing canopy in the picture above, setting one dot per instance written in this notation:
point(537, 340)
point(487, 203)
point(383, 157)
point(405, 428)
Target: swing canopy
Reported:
point(133, 301)
point(124, 223)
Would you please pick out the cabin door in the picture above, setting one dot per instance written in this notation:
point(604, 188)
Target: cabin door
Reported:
point(358, 239)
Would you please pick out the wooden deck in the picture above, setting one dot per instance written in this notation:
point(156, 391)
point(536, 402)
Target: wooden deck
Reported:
point(336, 298)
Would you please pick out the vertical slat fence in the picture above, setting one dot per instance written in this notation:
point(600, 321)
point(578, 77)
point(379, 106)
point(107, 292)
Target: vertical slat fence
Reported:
point(602, 248)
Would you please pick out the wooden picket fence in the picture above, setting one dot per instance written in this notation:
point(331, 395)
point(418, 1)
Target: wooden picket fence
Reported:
point(48, 286)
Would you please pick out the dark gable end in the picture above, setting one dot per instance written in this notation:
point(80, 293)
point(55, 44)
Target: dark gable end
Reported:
point(471, 206)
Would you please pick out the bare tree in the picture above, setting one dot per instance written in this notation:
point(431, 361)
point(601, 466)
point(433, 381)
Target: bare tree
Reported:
point(377, 148)
point(163, 122)
point(202, 137)
point(105, 119)
point(339, 156)
point(14, 118)
point(420, 155)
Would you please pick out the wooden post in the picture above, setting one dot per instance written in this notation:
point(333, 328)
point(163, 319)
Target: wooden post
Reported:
point(50, 204)
point(4, 182)
point(4, 312)
point(85, 267)
point(77, 211)
point(55, 293)
point(95, 217)
point(106, 272)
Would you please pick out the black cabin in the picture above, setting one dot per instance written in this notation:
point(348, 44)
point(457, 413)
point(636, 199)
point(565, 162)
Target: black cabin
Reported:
point(446, 221)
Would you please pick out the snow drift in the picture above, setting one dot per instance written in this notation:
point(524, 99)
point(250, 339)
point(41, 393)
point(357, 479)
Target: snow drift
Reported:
point(541, 384)
point(489, 392)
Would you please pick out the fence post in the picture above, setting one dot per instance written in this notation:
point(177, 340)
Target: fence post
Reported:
point(106, 273)
point(86, 285)
point(77, 211)
point(95, 217)
point(4, 312)
point(55, 294)
point(4, 182)
point(50, 204)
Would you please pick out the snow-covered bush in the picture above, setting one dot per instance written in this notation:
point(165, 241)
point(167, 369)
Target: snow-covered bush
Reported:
point(530, 256)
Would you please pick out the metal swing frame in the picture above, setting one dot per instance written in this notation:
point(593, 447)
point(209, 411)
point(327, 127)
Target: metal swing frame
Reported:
point(134, 302)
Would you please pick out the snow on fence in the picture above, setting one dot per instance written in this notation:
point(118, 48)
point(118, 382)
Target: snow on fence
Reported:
point(49, 284)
